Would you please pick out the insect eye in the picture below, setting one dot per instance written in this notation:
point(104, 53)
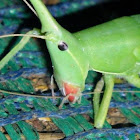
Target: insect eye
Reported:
point(62, 46)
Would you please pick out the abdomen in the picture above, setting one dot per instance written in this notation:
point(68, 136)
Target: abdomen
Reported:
point(109, 47)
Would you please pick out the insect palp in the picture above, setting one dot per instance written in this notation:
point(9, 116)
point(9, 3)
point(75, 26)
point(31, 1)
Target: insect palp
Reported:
point(63, 91)
point(62, 46)
point(52, 86)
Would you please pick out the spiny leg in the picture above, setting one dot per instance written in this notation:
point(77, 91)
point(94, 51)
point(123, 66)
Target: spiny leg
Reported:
point(102, 112)
point(96, 97)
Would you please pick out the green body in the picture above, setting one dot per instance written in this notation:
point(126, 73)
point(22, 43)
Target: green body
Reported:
point(112, 48)
point(106, 48)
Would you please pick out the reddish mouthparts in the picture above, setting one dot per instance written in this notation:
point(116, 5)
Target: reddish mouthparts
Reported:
point(69, 88)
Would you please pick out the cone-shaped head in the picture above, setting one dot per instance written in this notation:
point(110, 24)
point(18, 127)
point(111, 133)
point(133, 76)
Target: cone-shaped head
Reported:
point(66, 51)
point(49, 24)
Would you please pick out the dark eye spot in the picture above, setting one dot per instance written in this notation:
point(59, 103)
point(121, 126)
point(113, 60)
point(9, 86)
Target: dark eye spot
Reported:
point(62, 46)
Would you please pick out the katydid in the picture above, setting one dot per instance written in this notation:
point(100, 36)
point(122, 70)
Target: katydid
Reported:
point(112, 48)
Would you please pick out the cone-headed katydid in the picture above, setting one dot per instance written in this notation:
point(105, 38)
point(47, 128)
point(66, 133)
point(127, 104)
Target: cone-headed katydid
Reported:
point(112, 48)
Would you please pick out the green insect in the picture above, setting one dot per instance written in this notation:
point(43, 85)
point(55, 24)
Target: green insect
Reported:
point(112, 48)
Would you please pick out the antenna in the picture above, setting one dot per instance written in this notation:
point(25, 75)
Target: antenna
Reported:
point(12, 35)
point(28, 4)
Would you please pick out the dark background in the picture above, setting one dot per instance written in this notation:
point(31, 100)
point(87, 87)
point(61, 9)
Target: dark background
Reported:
point(99, 13)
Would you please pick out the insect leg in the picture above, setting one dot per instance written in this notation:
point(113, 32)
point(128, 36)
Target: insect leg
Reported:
point(52, 86)
point(102, 112)
point(64, 100)
point(133, 79)
point(96, 97)
point(17, 48)
point(77, 98)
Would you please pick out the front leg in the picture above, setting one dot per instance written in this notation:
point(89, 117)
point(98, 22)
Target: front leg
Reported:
point(102, 112)
point(96, 97)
